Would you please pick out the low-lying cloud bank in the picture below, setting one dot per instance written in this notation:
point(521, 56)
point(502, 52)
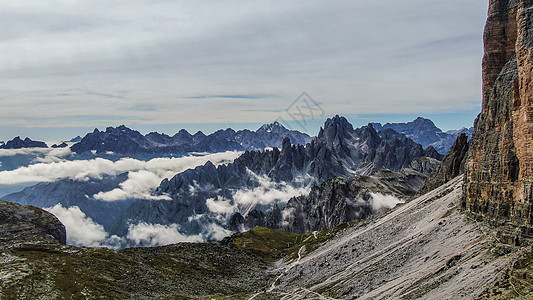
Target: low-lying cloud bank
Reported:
point(83, 231)
point(158, 235)
point(50, 154)
point(142, 178)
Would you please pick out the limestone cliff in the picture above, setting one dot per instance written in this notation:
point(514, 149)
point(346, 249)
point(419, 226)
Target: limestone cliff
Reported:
point(499, 170)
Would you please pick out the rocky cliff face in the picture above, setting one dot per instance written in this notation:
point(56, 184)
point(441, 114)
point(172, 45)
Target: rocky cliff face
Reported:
point(452, 165)
point(499, 171)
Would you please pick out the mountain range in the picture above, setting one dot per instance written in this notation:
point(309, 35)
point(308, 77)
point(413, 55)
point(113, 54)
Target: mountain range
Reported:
point(124, 141)
point(338, 150)
point(18, 143)
point(250, 185)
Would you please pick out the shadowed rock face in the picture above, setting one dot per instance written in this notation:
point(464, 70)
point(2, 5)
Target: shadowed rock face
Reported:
point(452, 165)
point(499, 170)
point(20, 224)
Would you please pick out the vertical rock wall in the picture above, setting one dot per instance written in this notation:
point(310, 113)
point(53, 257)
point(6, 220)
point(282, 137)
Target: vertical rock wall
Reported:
point(499, 169)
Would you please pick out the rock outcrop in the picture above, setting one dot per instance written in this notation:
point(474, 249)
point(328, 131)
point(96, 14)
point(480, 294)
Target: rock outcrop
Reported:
point(338, 200)
point(499, 171)
point(28, 224)
point(452, 165)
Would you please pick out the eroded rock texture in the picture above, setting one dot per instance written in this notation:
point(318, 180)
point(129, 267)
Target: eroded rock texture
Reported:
point(28, 224)
point(500, 160)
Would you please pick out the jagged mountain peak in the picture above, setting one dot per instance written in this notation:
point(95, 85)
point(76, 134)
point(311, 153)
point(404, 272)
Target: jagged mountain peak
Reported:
point(183, 134)
point(425, 132)
point(335, 128)
point(272, 127)
point(125, 141)
point(122, 129)
point(76, 139)
point(199, 133)
point(286, 144)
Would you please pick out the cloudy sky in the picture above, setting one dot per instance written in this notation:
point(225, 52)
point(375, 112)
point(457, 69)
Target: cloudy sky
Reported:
point(67, 66)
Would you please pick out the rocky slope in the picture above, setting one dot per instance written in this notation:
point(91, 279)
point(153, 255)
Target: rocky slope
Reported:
point(499, 172)
point(124, 141)
point(424, 132)
point(425, 249)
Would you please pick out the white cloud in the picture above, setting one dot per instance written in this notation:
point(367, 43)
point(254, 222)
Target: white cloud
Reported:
point(50, 153)
point(82, 230)
point(216, 232)
point(138, 185)
point(95, 168)
point(245, 200)
point(220, 206)
point(266, 193)
point(158, 235)
point(380, 201)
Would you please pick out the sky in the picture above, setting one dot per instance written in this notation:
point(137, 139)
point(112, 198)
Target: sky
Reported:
point(68, 66)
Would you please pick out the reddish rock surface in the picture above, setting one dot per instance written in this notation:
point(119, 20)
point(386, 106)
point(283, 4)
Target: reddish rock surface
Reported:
point(499, 169)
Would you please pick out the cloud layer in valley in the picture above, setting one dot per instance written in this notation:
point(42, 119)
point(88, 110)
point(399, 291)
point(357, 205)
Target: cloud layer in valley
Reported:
point(245, 200)
point(83, 231)
point(142, 178)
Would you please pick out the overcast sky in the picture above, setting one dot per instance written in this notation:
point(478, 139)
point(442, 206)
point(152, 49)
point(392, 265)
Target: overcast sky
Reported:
point(69, 64)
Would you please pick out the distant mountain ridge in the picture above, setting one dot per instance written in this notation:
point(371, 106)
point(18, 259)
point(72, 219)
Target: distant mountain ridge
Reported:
point(424, 132)
point(122, 140)
point(18, 143)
